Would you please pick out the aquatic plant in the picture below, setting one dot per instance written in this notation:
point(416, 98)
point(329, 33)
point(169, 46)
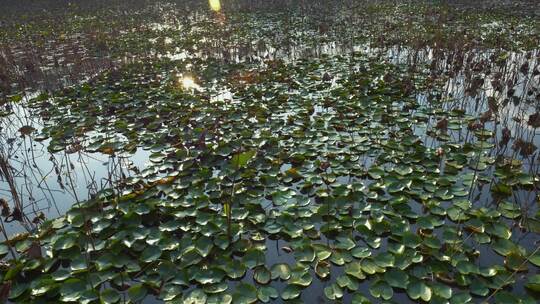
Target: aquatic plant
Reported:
point(327, 152)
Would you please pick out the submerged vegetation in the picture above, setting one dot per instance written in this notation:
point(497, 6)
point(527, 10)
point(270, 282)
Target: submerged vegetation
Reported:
point(270, 151)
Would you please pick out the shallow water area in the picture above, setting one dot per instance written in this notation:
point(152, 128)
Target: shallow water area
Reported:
point(243, 153)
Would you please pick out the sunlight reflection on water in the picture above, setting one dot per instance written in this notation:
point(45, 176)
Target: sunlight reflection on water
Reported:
point(215, 5)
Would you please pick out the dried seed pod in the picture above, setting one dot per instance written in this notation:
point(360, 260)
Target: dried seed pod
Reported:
point(442, 124)
point(16, 215)
point(505, 138)
point(486, 116)
point(5, 207)
point(534, 120)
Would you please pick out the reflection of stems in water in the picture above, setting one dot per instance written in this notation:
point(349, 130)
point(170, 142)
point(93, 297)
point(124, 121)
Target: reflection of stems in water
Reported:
point(86, 222)
point(42, 181)
point(112, 166)
point(70, 179)
point(6, 238)
point(524, 210)
point(6, 173)
point(90, 185)
point(473, 183)
point(531, 141)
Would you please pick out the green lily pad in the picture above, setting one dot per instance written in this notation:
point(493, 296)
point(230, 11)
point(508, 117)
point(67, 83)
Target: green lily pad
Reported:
point(196, 296)
point(533, 283)
point(240, 160)
point(396, 278)
point(281, 271)
point(137, 292)
point(358, 298)
point(267, 293)
point(381, 289)
point(72, 289)
point(291, 292)
point(262, 275)
point(109, 296)
point(418, 290)
point(245, 294)
point(355, 269)
point(221, 298)
point(322, 269)
point(333, 292)
point(150, 254)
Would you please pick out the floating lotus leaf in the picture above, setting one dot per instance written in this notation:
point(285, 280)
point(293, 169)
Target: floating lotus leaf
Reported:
point(533, 283)
point(396, 278)
point(291, 292)
point(196, 296)
point(150, 254)
point(72, 289)
point(245, 293)
point(234, 269)
point(345, 243)
point(384, 260)
point(355, 269)
point(267, 293)
point(361, 252)
point(411, 240)
point(305, 254)
point(282, 271)
point(348, 282)
point(333, 292)
point(322, 252)
point(466, 267)
point(479, 288)
point(381, 289)
point(209, 276)
point(441, 290)
point(535, 259)
point(370, 267)
point(262, 275)
point(504, 247)
point(300, 277)
point(222, 298)
point(240, 160)
point(215, 288)
point(359, 299)
point(418, 290)
point(322, 269)
point(253, 257)
point(109, 296)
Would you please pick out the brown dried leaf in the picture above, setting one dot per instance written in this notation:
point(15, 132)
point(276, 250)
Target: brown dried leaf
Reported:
point(34, 251)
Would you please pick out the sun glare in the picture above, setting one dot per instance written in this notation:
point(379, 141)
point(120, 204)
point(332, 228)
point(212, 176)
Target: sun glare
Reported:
point(188, 83)
point(215, 5)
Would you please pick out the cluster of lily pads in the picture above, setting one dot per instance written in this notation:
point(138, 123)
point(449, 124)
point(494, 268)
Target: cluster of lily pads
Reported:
point(321, 159)
point(341, 178)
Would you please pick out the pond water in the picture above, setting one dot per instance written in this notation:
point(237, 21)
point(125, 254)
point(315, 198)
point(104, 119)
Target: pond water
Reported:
point(50, 183)
point(219, 166)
